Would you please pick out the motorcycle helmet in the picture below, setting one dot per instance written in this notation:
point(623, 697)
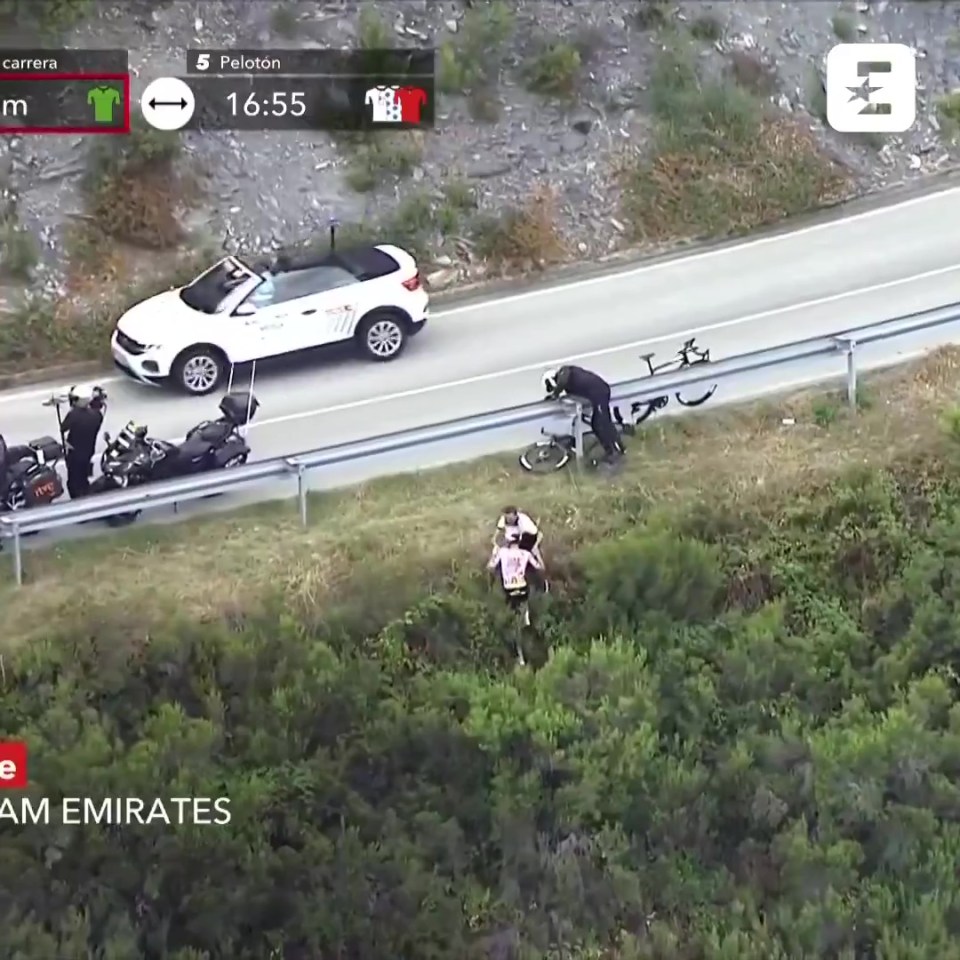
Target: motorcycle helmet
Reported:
point(550, 381)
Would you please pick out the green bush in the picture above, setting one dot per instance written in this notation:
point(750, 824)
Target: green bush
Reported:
point(473, 59)
point(285, 22)
point(373, 32)
point(555, 70)
point(722, 162)
point(948, 109)
point(384, 156)
point(50, 16)
point(680, 770)
point(708, 27)
point(18, 249)
point(145, 150)
point(844, 29)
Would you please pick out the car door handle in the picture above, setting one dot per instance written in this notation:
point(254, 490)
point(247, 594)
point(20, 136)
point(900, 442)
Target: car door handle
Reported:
point(306, 313)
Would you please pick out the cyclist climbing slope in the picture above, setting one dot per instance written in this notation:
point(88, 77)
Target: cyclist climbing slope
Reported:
point(514, 562)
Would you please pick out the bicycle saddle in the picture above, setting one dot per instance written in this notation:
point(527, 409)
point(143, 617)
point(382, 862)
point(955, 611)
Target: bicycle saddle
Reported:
point(647, 356)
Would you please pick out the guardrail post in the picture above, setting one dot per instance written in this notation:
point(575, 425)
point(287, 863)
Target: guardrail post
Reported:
point(578, 434)
point(849, 348)
point(302, 493)
point(17, 555)
point(852, 375)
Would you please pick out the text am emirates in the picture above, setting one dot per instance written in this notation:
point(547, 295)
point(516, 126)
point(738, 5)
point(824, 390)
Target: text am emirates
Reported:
point(120, 811)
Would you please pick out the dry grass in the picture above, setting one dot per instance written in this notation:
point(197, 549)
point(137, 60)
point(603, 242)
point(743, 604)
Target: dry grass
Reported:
point(418, 529)
point(722, 163)
point(690, 195)
point(147, 216)
point(135, 188)
point(41, 332)
point(522, 238)
point(752, 72)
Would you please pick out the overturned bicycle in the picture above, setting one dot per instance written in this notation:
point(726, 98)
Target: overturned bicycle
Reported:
point(557, 449)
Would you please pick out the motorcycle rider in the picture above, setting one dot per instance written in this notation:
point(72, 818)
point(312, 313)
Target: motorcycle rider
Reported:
point(588, 387)
point(80, 428)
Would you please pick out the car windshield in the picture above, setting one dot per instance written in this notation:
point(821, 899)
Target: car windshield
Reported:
point(207, 293)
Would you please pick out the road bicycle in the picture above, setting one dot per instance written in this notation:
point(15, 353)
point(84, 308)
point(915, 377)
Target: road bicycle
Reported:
point(689, 355)
point(556, 450)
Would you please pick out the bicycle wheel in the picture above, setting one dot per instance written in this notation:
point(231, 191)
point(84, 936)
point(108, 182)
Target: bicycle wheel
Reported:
point(699, 400)
point(545, 456)
point(644, 411)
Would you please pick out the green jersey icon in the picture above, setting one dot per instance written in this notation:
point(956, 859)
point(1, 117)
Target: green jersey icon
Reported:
point(104, 101)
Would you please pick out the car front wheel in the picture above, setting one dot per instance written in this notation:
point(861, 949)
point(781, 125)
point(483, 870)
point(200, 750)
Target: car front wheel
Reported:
point(382, 336)
point(199, 370)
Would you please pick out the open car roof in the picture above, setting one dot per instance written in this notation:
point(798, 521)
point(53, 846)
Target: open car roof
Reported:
point(364, 263)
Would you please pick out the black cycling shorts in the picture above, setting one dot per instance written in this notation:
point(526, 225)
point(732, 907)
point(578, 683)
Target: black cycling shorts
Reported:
point(528, 541)
point(516, 597)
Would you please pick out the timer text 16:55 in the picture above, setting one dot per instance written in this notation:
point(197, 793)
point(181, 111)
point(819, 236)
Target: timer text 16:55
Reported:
point(277, 106)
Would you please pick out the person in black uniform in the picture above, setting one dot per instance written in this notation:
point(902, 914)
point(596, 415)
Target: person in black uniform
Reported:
point(588, 387)
point(80, 428)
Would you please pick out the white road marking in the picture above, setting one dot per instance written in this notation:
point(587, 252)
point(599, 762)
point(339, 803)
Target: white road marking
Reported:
point(546, 364)
point(700, 255)
point(936, 197)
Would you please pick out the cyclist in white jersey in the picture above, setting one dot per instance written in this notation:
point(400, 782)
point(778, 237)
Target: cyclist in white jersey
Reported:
point(515, 523)
point(514, 562)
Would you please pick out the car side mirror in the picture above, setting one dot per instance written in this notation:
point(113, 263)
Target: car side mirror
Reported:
point(245, 310)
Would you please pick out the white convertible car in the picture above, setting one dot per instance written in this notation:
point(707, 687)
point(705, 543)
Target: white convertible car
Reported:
point(235, 313)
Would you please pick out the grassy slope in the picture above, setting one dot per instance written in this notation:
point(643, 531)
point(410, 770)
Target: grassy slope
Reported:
point(422, 529)
point(743, 743)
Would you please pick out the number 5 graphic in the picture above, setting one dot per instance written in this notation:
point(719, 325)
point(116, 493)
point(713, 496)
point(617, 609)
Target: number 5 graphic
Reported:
point(871, 87)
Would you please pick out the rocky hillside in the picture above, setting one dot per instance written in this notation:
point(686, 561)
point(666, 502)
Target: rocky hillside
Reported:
point(565, 130)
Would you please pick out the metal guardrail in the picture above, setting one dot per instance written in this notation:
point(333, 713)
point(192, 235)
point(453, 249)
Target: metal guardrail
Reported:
point(187, 489)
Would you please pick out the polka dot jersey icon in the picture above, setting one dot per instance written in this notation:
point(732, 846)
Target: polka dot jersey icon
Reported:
point(384, 104)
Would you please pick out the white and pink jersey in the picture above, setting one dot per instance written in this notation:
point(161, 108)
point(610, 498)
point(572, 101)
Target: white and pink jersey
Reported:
point(513, 563)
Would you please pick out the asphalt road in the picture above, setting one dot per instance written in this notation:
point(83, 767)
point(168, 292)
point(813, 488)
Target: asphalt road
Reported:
point(869, 267)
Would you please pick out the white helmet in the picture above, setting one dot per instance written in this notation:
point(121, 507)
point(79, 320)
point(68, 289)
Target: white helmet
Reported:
point(550, 381)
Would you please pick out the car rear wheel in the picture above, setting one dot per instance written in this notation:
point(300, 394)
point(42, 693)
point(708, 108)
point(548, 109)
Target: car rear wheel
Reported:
point(382, 336)
point(199, 370)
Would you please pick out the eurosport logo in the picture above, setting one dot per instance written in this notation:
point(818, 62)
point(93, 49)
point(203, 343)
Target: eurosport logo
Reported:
point(871, 88)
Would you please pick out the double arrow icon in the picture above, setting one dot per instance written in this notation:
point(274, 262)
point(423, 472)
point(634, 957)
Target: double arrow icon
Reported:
point(181, 103)
point(167, 104)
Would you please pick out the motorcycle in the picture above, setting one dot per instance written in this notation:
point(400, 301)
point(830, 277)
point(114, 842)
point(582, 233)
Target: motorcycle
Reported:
point(134, 458)
point(28, 474)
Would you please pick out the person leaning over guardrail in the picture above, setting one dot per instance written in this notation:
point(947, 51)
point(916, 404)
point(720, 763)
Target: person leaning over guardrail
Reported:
point(589, 388)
